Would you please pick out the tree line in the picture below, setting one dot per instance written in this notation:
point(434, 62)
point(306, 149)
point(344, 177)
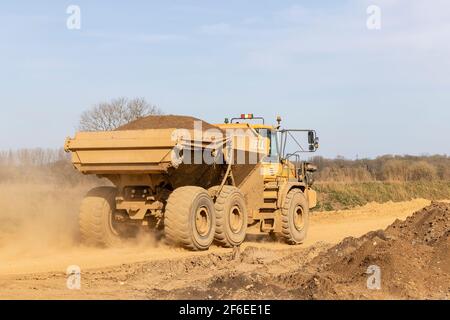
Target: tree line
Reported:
point(390, 168)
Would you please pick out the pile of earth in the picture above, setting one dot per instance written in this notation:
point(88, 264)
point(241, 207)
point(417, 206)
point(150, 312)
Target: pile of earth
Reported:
point(166, 122)
point(413, 257)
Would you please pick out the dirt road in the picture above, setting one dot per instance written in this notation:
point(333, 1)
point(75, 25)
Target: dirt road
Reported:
point(149, 269)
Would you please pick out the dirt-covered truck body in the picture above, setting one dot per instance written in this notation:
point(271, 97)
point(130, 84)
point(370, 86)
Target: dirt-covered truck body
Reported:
point(194, 184)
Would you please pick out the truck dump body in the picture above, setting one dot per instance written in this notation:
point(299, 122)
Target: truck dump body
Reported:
point(138, 151)
point(150, 152)
point(129, 150)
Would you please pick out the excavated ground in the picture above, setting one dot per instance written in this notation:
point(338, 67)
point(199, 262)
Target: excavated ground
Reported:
point(413, 256)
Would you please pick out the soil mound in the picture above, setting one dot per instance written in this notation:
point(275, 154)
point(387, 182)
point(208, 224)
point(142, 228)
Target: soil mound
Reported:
point(413, 257)
point(165, 122)
point(430, 226)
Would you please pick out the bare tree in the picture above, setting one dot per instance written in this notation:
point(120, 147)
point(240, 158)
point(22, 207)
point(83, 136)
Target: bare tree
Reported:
point(107, 116)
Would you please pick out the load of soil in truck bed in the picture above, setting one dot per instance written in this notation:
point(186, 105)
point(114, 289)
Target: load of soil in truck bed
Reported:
point(165, 122)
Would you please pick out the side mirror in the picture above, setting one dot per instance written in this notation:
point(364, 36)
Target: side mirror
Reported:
point(313, 141)
point(311, 137)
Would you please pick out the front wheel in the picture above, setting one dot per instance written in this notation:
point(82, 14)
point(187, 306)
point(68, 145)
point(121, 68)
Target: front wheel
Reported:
point(295, 217)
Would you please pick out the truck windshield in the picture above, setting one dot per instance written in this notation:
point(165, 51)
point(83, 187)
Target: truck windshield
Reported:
point(273, 141)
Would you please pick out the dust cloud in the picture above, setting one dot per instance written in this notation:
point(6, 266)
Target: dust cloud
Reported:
point(39, 229)
point(37, 219)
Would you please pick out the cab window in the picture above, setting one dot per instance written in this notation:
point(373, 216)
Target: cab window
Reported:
point(273, 143)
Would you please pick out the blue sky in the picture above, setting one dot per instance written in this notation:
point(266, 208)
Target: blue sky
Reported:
point(367, 92)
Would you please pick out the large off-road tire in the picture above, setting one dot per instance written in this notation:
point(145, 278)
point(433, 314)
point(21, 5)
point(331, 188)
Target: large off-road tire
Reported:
point(96, 218)
point(189, 218)
point(231, 216)
point(295, 217)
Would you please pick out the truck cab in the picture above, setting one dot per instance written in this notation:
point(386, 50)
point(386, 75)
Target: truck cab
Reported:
point(283, 173)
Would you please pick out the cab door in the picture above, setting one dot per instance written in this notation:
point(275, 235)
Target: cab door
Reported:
point(270, 165)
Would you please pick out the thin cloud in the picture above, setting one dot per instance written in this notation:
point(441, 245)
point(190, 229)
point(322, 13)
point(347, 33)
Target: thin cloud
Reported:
point(294, 13)
point(307, 33)
point(216, 29)
point(141, 38)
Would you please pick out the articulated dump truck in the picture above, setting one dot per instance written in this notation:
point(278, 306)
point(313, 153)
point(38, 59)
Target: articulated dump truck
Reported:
point(194, 184)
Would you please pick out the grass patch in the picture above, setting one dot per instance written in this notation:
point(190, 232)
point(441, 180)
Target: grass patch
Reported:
point(335, 196)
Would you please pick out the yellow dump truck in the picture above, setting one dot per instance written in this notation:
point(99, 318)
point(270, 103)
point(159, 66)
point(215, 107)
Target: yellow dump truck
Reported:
point(196, 185)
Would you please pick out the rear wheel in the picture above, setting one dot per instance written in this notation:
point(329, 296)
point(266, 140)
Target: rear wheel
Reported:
point(189, 218)
point(231, 216)
point(295, 217)
point(96, 219)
